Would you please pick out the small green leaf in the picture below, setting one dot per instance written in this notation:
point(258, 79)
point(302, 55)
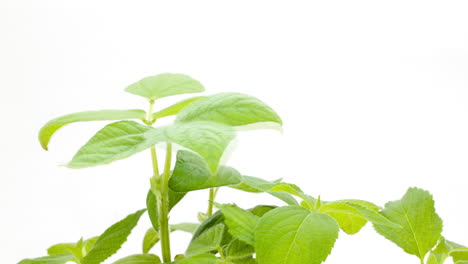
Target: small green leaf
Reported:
point(176, 108)
point(257, 185)
point(62, 248)
point(238, 249)
point(441, 252)
point(49, 129)
point(151, 205)
point(241, 223)
point(232, 109)
point(192, 173)
point(112, 239)
point(293, 234)
point(420, 226)
point(200, 259)
point(163, 85)
point(293, 189)
point(186, 227)
point(459, 254)
point(207, 241)
point(115, 141)
point(150, 239)
point(88, 244)
point(352, 215)
point(53, 259)
point(139, 259)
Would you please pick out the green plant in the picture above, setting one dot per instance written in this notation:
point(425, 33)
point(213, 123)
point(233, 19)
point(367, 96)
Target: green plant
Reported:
point(302, 231)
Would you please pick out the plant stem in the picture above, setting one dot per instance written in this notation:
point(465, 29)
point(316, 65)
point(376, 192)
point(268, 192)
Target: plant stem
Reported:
point(211, 199)
point(163, 206)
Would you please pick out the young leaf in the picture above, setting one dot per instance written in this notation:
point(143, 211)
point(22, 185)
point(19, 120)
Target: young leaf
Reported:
point(420, 225)
point(293, 234)
point(186, 227)
point(139, 259)
point(150, 239)
point(232, 109)
point(112, 239)
point(163, 85)
point(200, 259)
point(115, 141)
point(63, 248)
point(192, 173)
point(208, 139)
point(441, 252)
point(176, 108)
point(238, 249)
point(241, 223)
point(459, 254)
point(257, 185)
point(352, 215)
point(151, 205)
point(207, 241)
point(48, 130)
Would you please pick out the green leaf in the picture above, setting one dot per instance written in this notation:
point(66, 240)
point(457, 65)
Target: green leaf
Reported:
point(349, 219)
point(112, 239)
point(232, 109)
point(63, 248)
point(459, 254)
point(186, 227)
point(246, 260)
point(151, 205)
point(420, 227)
point(200, 259)
point(139, 259)
point(48, 130)
point(293, 189)
point(441, 252)
point(241, 223)
point(208, 139)
point(53, 259)
point(352, 215)
point(257, 185)
point(88, 244)
point(292, 234)
point(176, 108)
point(238, 249)
point(150, 239)
point(207, 241)
point(115, 141)
point(163, 85)
point(192, 173)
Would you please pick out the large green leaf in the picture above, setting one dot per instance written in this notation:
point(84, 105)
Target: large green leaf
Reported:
point(200, 259)
point(115, 141)
point(139, 259)
point(166, 84)
point(125, 138)
point(53, 259)
point(192, 173)
point(420, 226)
point(48, 130)
point(241, 223)
point(294, 235)
point(257, 185)
point(112, 239)
point(176, 108)
point(207, 241)
point(232, 109)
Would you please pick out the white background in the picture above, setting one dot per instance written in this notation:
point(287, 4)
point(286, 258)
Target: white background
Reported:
point(373, 94)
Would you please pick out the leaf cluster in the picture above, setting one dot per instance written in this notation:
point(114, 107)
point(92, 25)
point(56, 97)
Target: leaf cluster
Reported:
point(303, 230)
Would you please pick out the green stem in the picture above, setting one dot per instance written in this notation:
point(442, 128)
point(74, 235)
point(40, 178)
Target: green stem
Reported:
point(212, 196)
point(163, 202)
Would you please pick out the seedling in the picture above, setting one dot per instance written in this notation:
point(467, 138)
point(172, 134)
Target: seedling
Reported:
point(304, 230)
